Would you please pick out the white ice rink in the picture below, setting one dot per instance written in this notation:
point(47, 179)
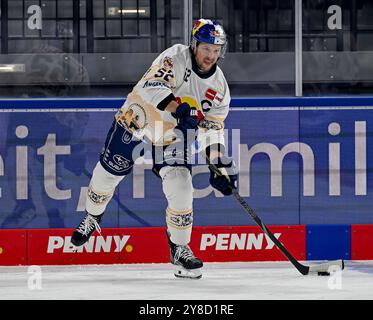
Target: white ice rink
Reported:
point(221, 281)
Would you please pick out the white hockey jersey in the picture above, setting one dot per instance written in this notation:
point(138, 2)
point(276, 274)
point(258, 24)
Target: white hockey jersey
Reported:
point(174, 74)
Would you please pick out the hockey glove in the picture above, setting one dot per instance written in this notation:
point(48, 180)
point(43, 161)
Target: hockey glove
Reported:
point(187, 118)
point(228, 180)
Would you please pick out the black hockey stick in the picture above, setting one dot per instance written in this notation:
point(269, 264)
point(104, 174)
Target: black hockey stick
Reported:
point(320, 269)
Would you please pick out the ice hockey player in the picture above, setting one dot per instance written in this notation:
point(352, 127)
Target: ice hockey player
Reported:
point(183, 83)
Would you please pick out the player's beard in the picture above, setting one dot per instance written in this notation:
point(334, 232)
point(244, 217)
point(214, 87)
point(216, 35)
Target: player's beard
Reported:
point(209, 64)
point(205, 65)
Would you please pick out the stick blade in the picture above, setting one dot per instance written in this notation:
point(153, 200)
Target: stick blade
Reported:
point(325, 268)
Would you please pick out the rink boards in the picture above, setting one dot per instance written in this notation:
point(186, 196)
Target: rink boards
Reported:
point(305, 166)
point(211, 244)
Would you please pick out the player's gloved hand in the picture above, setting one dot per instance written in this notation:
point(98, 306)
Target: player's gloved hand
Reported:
point(187, 117)
point(229, 170)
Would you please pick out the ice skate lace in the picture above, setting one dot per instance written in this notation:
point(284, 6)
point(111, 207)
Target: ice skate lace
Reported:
point(89, 224)
point(183, 252)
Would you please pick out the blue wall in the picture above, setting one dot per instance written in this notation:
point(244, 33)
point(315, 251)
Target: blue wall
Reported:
point(310, 125)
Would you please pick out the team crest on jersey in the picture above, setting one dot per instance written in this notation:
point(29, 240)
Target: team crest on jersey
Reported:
point(214, 96)
point(132, 118)
point(168, 63)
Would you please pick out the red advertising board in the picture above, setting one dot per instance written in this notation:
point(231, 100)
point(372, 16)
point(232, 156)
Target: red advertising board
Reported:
point(53, 246)
point(362, 242)
point(13, 247)
point(247, 243)
point(124, 245)
point(149, 245)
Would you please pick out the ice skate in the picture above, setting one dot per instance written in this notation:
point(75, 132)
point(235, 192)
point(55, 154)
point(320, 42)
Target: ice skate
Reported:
point(85, 229)
point(186, 265)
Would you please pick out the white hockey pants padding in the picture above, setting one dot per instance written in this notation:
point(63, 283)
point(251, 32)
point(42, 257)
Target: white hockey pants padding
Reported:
point(101, 189)
point(178, 189)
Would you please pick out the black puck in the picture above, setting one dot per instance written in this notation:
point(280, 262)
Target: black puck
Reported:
point(323, 273)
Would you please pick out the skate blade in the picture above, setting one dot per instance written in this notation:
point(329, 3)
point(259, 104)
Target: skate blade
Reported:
point(181, 272)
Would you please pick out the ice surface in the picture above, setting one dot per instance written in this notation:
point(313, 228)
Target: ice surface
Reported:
point(221, 281)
